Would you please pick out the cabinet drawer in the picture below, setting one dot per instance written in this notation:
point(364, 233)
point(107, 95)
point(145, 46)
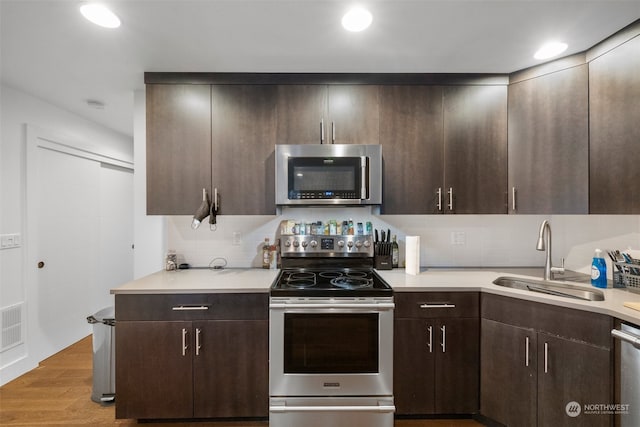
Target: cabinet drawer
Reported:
point(436, 304)
point(244, 306)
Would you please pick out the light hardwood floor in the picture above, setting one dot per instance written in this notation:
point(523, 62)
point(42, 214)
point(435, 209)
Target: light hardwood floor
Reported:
point(58, 393)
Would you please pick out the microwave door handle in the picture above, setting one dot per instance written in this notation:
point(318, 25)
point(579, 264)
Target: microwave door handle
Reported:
point(363, 179)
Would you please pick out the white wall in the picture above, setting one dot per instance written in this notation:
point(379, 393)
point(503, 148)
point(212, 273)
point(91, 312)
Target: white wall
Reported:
point(149, 231)
point(16, 110)
point(489, 240)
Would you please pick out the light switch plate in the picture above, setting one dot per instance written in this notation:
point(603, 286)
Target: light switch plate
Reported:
point(237, 238)
point(458, 238)
point(8, 241)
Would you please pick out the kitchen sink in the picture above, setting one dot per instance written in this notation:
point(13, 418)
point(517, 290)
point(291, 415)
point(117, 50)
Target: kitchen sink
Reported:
point(551, 288)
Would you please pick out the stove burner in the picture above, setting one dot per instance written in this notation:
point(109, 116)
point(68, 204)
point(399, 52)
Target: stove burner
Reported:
point(346, 282)
point(300, 280)
point(357, 274)
point(330, 274)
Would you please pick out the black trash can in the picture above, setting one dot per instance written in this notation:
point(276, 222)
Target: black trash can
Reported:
point(104, 361)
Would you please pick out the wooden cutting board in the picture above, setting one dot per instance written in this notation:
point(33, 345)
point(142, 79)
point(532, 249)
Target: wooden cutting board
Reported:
point(633, 305)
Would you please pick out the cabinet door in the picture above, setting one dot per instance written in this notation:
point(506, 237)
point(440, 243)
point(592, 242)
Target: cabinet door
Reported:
point(302, 111)
point(475, 144)
point(231, 371)
point(153, 373)
point(457, 366)
point(508, 374)
point(614, 114)
point(353, 114)
point(571, 371)
point(413, 366)
point(549, 143)
point(243, 143)
point(178, 147)
point(411, 136)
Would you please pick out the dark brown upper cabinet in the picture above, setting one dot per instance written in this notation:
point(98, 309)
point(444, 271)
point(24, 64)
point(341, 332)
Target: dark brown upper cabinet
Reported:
point(549, 143)
point(614, 118)
point(243, 137)
point(327, 114)
point(475, 150)
point(413, 151)
point(445, 149)
point(178, 147)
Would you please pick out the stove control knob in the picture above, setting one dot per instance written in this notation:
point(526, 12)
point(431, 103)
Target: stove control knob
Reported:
point(313, 243)
point(358, 244)
point(296, 244)
point(341, 243)
point(350, 244)
point(287, 243)
point(304, 244)
point(367, 243)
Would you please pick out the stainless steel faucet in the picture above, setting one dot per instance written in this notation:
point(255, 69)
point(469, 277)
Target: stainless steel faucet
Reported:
point(544, 243)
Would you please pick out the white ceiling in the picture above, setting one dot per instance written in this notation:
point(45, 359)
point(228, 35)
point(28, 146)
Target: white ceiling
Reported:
point(49, 50)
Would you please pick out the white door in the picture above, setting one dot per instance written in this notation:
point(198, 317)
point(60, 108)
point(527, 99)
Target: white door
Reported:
point(115, 260)
point(67, 207)
point(79, 232)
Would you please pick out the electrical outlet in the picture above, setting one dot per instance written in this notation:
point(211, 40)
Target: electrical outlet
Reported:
point(237, 238)
point(458, 238)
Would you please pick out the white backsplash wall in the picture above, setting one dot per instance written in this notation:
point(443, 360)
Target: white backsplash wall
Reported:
point(446, 240)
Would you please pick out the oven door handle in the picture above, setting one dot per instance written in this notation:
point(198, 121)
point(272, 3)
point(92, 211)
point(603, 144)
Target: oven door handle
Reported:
point(381, 306)
point(378, 408)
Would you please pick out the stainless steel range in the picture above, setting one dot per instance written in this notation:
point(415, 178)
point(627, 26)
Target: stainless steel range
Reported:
point(331, 335)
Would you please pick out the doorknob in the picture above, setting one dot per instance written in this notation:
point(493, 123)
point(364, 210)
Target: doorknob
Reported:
point(41, 264)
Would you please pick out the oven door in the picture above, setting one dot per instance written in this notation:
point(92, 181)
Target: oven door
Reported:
point(329, 349)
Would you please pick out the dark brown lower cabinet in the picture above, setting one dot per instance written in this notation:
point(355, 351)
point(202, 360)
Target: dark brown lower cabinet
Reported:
point(539, 363)
point(508, 374)
point(192, 368)
point(436, 358)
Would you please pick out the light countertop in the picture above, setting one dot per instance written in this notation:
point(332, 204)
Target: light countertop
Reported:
point(250, 280)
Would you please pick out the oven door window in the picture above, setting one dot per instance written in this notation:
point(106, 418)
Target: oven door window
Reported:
point(321, 178)
point(331, 343)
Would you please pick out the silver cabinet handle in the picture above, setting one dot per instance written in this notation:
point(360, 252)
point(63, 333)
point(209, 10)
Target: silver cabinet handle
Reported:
point(430, 344)
point(632, 339)
point(438, 305)
point(444, 338)
point(184, 342)
point(215, 200)
point(198, 346)
point(450, 192)
point(333, 132)
point(526, 351)
point(190, 307)
point(322, 130)
point(546, 358)
point(513, 199)
point(439, 204)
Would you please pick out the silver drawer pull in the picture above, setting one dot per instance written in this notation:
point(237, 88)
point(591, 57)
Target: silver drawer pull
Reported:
point(190, 307)
point(439, 305)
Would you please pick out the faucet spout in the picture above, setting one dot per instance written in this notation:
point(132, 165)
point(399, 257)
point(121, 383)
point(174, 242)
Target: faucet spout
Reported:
point(544, 244)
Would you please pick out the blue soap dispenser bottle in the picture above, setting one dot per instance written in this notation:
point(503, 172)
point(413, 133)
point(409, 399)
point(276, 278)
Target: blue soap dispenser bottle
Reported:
point(599, 270)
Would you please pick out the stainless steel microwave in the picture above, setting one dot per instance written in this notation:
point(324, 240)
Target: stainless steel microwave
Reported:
point(328, 174)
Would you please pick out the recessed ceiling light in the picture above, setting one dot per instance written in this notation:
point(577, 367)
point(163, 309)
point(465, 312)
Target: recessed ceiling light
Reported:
point(100, 15)
point(357, 19)
point(549, 50)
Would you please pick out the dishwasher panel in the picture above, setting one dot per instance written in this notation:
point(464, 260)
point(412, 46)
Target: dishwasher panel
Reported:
point(629, 373)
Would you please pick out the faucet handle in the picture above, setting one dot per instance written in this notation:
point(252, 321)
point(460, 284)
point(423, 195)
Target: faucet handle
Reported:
point(558, 270)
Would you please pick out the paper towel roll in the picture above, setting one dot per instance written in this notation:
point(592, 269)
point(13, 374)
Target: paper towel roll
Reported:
point(412, 255)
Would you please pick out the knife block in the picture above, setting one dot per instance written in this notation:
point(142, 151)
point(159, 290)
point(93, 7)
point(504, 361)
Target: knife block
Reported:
point(382, 256)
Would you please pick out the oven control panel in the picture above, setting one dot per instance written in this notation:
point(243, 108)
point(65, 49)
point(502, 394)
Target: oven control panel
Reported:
point(321, 245)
